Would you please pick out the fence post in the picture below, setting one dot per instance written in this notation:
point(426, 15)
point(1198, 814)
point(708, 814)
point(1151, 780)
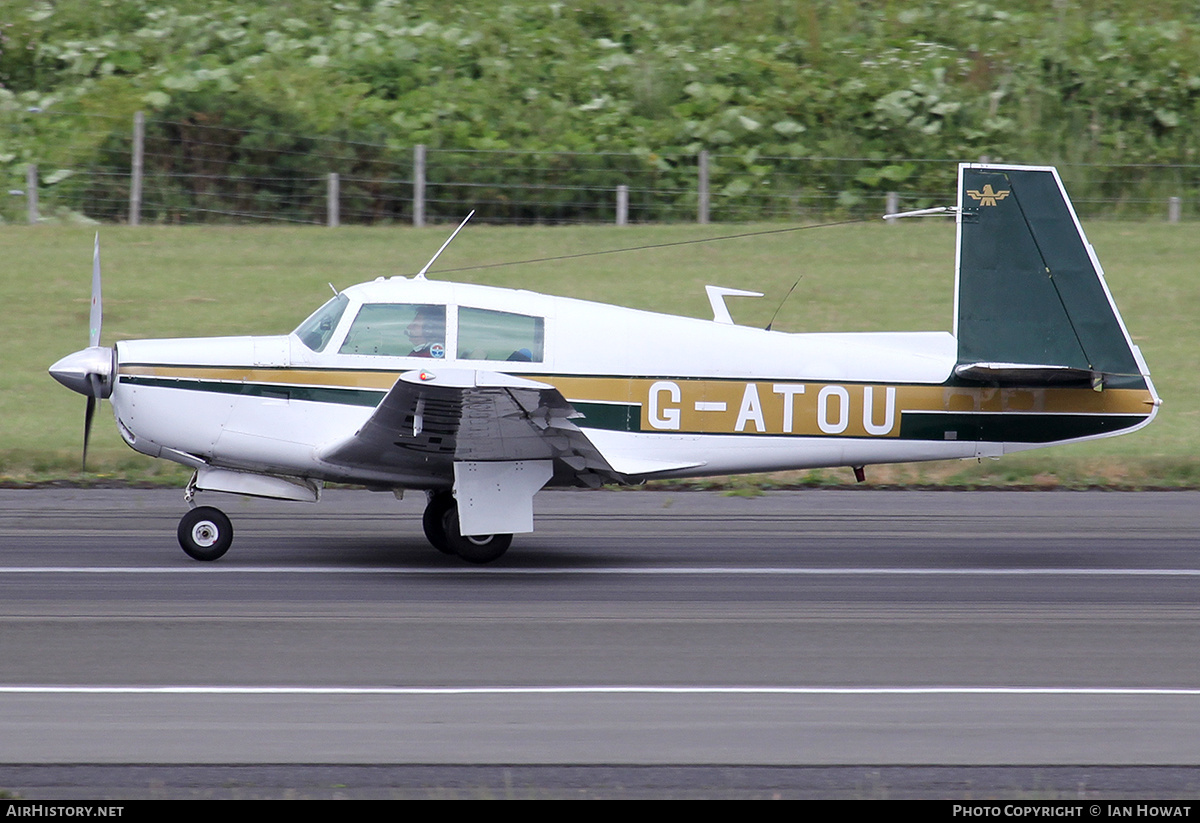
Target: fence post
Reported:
point(31, 186)
point(135, 173)
point(1174, 207)
point(892, 205)
point(622, 205)
point(332, 201)
point(702, 187)
point(419, 185)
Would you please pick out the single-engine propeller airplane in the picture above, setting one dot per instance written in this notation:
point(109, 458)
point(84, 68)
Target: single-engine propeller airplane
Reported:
point(482, 396)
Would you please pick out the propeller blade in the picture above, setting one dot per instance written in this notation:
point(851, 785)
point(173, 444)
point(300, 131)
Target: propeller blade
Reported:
point(93, 400)
point(87, 427)
point(97, 314)
point(96, 384)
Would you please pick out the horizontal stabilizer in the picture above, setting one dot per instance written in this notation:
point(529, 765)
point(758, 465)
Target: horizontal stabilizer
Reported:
point(1025, 374)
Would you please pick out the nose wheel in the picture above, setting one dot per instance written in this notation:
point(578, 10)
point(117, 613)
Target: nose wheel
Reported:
point(205, 533)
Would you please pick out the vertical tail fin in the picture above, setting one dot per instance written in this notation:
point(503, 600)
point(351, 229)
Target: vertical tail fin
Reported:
point(1030, 301)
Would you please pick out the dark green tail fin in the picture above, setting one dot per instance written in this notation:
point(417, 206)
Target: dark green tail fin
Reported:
point(1031, 304)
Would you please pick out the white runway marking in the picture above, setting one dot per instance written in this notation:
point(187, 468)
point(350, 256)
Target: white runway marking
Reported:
point(602, 690)
point(626, 570)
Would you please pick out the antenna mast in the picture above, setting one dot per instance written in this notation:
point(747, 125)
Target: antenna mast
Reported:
point(421, 273)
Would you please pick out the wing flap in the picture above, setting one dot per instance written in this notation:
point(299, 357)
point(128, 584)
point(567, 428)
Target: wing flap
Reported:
point(430, 420)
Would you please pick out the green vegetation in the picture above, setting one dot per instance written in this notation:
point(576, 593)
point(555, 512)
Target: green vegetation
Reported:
point(258, 91)
point(269, 97)
point(162, 282)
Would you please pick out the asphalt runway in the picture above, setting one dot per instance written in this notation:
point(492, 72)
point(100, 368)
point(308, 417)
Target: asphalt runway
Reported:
point(848, 643)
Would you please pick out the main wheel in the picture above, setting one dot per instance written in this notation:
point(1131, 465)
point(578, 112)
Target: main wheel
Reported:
point(434, 520)
point(205, 533)
point(477, 548)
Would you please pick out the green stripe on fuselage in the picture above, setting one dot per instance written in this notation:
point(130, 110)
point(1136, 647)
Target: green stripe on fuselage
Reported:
point(1008, 427)
point(619, 417)
point(317, 394)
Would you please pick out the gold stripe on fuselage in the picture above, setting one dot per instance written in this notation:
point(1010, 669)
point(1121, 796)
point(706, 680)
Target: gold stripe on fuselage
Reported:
point(707, 405)
point(850, 409)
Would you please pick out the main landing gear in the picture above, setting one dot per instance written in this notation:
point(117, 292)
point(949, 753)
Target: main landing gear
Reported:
point(441, 525)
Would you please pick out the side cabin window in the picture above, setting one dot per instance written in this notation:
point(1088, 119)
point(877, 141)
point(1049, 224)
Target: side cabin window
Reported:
point(500, 335)
point(318, 328)
point(398, 330)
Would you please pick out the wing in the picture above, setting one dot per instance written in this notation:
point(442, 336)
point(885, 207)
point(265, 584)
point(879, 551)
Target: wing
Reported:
point(432, 419)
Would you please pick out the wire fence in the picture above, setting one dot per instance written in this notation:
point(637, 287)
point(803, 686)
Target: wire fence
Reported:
point(185, 172)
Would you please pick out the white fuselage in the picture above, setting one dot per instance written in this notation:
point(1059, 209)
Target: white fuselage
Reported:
point(689, 397)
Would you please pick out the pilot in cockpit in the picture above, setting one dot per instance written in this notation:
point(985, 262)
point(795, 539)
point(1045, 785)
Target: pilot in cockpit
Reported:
point(427, 332)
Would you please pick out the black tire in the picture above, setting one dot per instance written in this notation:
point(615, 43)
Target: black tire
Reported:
point(477, 549)
point(205, 533)
point(434, 520)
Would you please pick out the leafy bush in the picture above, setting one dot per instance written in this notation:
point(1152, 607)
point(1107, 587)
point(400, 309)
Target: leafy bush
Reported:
point(274, 96)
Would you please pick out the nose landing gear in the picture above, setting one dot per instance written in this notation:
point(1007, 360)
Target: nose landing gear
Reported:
point(205, 533)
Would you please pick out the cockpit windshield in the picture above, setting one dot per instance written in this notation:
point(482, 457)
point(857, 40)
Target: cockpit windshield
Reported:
point(318, 328)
